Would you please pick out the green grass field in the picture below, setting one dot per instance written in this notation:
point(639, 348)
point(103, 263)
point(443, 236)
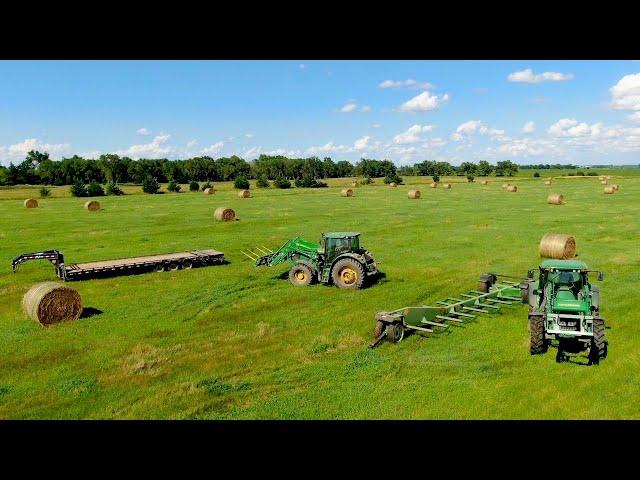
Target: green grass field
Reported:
point(233, 341)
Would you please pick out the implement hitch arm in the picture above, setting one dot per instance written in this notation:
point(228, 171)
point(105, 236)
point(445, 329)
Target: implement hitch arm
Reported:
point(54, 256)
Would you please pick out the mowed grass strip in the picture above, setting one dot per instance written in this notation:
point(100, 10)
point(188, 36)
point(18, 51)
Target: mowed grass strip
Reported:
point(233, 341)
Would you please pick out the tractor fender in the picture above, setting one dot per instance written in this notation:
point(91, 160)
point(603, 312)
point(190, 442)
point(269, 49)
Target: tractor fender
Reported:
point(359, 258)
point(526, 291)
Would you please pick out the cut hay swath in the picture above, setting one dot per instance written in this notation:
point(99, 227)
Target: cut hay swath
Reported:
point(512, 188)
point(346, 192)
point(555, 199)
point(92, 205)
point(414, 194)
point(434, 185)
point(31, 203)
point(609, 189)
point(52, 302)
point(557, 245)
point(244, 194)
point(446, 185)
point(209, 191)
point(224, 214)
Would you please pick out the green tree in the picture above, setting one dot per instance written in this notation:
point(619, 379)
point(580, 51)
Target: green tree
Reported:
point(95, 189)
point(78, 189)
point(150, 185)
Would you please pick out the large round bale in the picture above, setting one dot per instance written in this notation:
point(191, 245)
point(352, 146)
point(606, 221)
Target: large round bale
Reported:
point(224, 214)
point(555, 199)
point(616, 186)
point(609, 189)
point(601, 177)
point(209, 191)
point(484, 182)
point(244, 194)
point(393, 184)
point(52, 302)
point(31, 203)
point(346, 192)
point(415, 194)
point(434, 185)
point(446, 185)
point(92, 205)
point(512, 188)
point(548, 182)
point(603, 182)
point(557, 245)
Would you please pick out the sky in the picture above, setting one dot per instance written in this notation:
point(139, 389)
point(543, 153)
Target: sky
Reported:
point(530, 112)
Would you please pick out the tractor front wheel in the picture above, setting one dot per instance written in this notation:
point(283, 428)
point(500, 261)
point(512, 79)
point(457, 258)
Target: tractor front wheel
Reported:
point(300, 275)
point(537, 342)
point(348, 273)
point(598, 348)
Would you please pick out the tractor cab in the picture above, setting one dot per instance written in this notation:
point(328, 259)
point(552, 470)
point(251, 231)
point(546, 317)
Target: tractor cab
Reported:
point(338, 243)
point(565, 282)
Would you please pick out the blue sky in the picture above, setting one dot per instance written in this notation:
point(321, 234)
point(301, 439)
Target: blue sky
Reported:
point(583, 112)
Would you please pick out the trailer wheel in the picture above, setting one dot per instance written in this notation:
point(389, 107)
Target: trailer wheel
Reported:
point(173, 266)
point(395, 332)
point(159, 268)
point(187, 264)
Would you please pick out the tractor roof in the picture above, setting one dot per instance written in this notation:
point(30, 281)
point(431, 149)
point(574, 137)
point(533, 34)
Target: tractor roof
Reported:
point(340, 234)
point(564, 265)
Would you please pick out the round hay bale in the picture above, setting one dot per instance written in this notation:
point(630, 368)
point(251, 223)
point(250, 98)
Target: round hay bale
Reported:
point(548, 182)
point(393, 184)
point(609, 189)
point(601, 177)
point(92, 205)
point(346, 192)
point(505, 185)
point(557, 245)
point(512, 188)
point(52, 302)
point(603, 182)
point(446, 185)
point(616, 186)
point(224, 214)
point(209, 191)
point(484, 182)
point(244, 194)
point(31, 203)
point(608, 177)
point(414, 194)
point(555, 199)
point(434, 185)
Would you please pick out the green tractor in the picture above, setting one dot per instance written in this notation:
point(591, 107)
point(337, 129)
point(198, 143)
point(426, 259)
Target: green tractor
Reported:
point(564, 306)
point(339, 259)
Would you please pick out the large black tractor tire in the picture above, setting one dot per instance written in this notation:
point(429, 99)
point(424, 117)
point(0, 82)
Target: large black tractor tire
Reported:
point(395, 332)
point(537, 341)
point(301, 275)
point(599, 345)
point(348, 273)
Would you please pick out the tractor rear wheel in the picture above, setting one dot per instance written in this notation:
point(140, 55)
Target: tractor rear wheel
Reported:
point(348, 273)
point(300, 275)
point(395, 332)
point(537, 343)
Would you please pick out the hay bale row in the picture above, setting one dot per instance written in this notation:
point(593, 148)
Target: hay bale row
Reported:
point(346, 192)
point(557, 245)
point(52, 302)
point(209, 191)
point(92, 206)
point(244, 194)
point(555, 199)
point(31, 203)
point(413, 194)
point(512, 188)
point(224, 214)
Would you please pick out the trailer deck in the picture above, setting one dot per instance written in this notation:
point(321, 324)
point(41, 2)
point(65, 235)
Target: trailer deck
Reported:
point(124, 266)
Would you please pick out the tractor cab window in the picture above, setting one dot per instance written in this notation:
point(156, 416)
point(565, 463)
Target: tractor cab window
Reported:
point(568, 281)
point(337, 246)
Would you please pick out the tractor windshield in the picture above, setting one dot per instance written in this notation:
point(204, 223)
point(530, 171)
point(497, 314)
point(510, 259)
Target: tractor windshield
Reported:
point(337, 246)
point(566, 280)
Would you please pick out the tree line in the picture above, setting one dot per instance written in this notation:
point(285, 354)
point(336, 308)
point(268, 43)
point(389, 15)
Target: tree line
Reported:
point(39, 169)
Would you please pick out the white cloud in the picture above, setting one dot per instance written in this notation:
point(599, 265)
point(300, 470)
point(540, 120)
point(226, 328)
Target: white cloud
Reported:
point(249, 135)
point(634, 117)
point(527, 76)
point(376, 125)
point(569, 127)
point(625, 95)
point(412, 134)
point(409, 83)
point(192, 143)
point(18, 151)
point(143, 132)
point(213, 149)
point(90, 154)
point(528, 127)
point(424, 102)
point(349, 107)
point(473, 127)
point(362, 143)
point(157, 148)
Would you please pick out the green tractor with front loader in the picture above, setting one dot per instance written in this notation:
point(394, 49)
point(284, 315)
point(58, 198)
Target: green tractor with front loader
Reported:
point(564, 307)
point(338, 259)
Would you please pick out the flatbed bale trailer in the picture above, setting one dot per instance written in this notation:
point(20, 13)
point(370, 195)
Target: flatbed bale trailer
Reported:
point(123, 266)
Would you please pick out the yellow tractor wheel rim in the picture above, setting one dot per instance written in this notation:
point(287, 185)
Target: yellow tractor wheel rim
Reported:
point(301, 275)
point(348, 275)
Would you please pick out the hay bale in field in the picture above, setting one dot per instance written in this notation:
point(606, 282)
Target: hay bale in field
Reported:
point(415, 194)
point(31, 203)
point(512, 188)
point(224, 214)
point(446, 185)
point(616, 186)
point(52, 302)
point(244, 194)
point(484, 182)
point(505, 185)
point(92, 205)
point(354, 184)
point(555, 199)
point(557, 245)
point(601, 177)
point(434, 185)
point(209, 191)
point(603, 182)
point(393, 184)
point(609, 189)
point(346, 192)
point(548, 182)
point(608, 177)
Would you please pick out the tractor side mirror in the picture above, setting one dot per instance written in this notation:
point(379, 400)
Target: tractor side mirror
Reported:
point(600, 276)
point(530, 274)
